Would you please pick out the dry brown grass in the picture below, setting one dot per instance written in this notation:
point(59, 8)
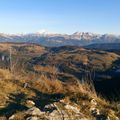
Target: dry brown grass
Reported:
point(80, 94)
point(3, 118)
point(49, 69)
point(28, 49)
point(20, 115)
point(5, 73)
point(77, 93)
point(47, 85)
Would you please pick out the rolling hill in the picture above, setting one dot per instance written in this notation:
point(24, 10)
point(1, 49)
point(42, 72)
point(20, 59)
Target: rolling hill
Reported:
point(58, 82)
point(70, 64)
point(111, 47)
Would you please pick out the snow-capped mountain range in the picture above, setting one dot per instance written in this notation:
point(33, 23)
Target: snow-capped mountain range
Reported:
point(55, 39)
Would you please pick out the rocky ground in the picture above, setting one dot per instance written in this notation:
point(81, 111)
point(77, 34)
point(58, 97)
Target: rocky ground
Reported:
point(48, 101)
point(60, 111)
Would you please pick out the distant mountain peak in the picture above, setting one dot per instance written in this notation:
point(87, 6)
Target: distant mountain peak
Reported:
point(45, 32)
point(85, 33)
point(46, 38)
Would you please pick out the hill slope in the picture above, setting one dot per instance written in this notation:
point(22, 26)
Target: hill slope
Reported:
point(56, 83)
point(112, 47)
point(45, 99)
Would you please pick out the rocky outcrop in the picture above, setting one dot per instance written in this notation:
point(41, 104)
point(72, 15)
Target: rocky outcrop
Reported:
point(30, 103)
point(34, 111)
point(62, 110)
point(54, 111)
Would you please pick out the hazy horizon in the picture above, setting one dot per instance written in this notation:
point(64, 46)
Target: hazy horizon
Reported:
point(62, 33)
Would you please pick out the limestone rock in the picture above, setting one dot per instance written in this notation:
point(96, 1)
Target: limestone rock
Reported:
point(30, 103)
point(34, 111)
point(58, 115)
point(70, 107)
point(32, 118)
point(12, 117)
point(36, 118)
point(93, 102)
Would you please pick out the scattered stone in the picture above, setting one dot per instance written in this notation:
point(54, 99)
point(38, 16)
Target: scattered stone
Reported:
point(49, 108)
point(93, 102)
point(12, 117)
point(70, 107)
point(83, 103)
point(32, 118)
point(30, 103)
point(56, 115)
point(36, 118)
point(25, 85)
point(62, 101)
point(83, 119)
point(34, 111)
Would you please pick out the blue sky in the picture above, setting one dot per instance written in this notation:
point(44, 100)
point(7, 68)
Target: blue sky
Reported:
point(64, 16)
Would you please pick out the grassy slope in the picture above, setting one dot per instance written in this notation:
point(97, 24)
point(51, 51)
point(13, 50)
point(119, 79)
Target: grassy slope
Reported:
point(43, 89)
point(13, 95)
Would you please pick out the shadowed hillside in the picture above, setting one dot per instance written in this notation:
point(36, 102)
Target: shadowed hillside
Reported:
point(111, 47)
point(69, 64)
